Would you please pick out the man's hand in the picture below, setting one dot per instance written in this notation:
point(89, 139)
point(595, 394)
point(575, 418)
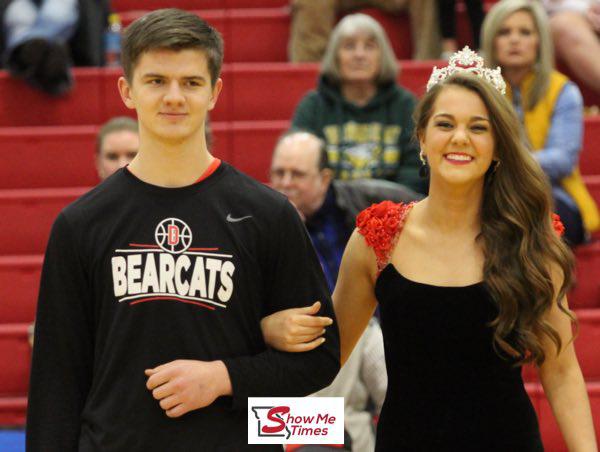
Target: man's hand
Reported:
point(186, 385)
point(295, 329)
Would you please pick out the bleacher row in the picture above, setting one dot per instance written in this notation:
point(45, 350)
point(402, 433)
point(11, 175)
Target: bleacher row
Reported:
point(47, 145)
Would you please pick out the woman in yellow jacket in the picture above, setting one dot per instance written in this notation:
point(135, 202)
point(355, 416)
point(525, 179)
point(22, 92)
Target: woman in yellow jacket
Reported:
point(516, 37)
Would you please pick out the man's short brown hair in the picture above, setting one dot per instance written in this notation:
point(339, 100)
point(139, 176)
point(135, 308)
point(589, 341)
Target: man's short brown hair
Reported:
point(172, 29)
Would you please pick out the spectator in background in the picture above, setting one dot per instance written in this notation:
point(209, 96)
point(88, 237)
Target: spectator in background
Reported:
point(313, 20)
point(516, 37)
point(358, 109)
point(575, 26)
point(300, 170)
point(447, 20)
point(117, 144)
point(42, 39)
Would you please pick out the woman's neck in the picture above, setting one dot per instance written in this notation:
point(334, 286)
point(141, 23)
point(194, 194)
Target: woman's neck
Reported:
point(359, 93)
point(515, 76)
point(450, 209)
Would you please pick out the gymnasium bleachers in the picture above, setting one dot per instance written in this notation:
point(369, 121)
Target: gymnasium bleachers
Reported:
point(47, 145)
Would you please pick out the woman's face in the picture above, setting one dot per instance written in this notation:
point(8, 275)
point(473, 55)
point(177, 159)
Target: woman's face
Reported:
point(359, 58)
point(517, 43)
point(458, 140)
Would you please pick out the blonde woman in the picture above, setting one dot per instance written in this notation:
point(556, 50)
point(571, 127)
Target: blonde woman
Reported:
point(516, 37)
point(471, 284)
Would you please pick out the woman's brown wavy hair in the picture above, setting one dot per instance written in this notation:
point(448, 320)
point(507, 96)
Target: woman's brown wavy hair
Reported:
point(521, 248)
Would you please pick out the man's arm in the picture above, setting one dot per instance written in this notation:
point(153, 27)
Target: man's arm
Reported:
point(61, 370)
point(295, 279)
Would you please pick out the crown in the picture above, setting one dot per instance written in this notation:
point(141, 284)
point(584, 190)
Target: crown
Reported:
point(466, 60)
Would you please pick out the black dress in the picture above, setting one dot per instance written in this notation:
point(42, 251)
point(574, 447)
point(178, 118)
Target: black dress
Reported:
point(448, 389)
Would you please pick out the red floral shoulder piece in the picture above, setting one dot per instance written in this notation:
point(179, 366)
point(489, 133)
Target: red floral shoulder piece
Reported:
point(380, 225)
point(559, 227)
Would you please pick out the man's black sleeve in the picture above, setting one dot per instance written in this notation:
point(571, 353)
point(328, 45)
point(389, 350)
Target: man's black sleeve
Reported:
point(61, 369)
point(294, 278)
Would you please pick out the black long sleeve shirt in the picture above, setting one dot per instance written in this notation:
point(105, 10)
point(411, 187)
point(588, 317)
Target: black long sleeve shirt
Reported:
point(136, 276)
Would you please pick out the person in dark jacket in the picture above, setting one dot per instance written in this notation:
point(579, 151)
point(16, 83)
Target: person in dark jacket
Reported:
point(359, 110)
point(42, 39)
point(300, 170)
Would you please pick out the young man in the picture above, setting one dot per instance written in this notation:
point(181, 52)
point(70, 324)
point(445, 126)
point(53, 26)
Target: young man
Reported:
point(155, 282)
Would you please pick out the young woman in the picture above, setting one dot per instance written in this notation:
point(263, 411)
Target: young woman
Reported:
point(471, 283)
point(516, 37)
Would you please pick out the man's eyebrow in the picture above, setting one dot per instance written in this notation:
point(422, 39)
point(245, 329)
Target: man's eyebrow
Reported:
point(187, 77)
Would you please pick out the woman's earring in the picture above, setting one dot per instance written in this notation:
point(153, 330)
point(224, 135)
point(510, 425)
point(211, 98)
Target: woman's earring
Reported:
point(496, 164)
point(424, 169)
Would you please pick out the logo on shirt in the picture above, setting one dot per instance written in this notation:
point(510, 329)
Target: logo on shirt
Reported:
point(173, 235)
point(171, 269)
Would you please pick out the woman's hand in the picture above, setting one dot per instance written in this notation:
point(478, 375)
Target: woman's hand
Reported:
point(296, 329)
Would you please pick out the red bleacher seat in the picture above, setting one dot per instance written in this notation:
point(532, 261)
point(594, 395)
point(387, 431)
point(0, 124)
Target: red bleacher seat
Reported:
point(22, 105)
point(586, 293)
point(13, 411)
point(14, 349)
point(587, 343)
point(27, 216)
point(593, 184)
point(589, 159)
point(252, 144)
point(19, 285)
point(47, 156)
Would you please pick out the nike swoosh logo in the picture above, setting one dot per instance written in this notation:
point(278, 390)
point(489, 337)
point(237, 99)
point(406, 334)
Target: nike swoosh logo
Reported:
point(235, 220)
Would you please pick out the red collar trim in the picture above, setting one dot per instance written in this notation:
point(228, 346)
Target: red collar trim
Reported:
point(211, 169)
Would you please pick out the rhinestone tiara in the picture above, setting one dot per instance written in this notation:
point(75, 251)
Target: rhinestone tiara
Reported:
point(466, 60)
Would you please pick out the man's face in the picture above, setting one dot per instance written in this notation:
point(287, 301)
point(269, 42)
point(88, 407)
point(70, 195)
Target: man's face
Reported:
point(118, 149)
point(295, 173)
point(172, 94)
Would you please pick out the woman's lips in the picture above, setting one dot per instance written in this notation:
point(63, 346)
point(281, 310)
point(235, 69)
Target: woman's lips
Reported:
point(458, 158)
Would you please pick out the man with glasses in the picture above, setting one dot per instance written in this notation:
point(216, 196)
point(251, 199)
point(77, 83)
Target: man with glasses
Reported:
point(299, 170)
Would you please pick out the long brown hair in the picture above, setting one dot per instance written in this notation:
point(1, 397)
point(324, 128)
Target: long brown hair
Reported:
point(520, 245)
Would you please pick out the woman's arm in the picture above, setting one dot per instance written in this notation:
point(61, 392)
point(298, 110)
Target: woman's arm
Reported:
point(565, 138)
point(565, 388)
point(354, 298)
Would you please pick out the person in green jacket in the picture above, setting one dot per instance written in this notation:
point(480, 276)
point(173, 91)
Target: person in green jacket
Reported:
point(359, 110)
